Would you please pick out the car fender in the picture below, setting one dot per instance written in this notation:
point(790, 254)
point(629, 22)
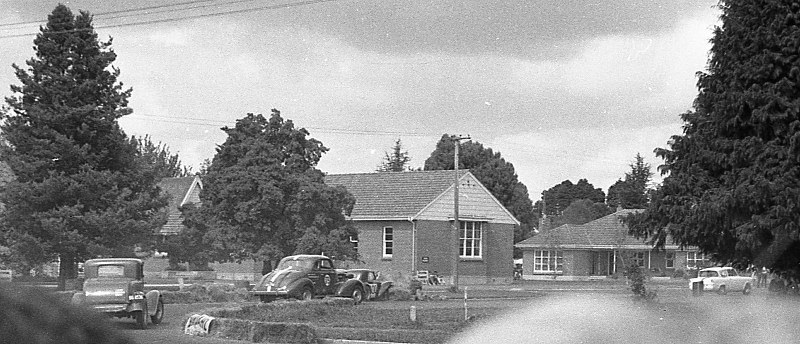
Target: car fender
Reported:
point(152, 298)
point(346, 288)
point(78, 298)
point(296, 287)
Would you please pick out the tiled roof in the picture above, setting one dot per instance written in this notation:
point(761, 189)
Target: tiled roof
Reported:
point(176, 189)
point(393, 195)
point(605, 232)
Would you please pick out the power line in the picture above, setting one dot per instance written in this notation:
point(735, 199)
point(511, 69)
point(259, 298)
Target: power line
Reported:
point(138, 9)
point(194, 16)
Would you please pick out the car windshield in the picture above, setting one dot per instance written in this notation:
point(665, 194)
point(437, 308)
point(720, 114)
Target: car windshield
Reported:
point(708, 274)
point(110, 271)
point(297, 264)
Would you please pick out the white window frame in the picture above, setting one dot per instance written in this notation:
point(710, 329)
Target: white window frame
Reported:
point(388, 242)
point(548, 261)
point(470, 239)
point(692, 259)
point(354, 242)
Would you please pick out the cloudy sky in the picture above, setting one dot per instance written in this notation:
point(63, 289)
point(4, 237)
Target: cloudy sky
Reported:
point(565, 89)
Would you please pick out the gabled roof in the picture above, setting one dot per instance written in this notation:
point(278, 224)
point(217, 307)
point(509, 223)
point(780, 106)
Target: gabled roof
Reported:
point(607, 232)
point(181, 191)
point(393, 195)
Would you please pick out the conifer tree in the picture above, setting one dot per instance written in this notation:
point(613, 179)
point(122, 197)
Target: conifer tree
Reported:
point(733, 178)
point(78, 190)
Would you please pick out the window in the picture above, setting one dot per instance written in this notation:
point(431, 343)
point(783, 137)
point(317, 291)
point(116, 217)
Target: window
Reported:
point(548, 261)
point(110, 271)
point(669, 260)
point(388, 241)
point(470, 239)
point(637, 258)
point(354, 242)
point(695, 259)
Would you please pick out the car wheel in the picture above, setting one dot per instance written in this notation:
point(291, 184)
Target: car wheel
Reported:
point(141, 319)
point(307, 294)
point(386, 293)
point(266, 298)
point(358, 295)
point(722, 290)
point(747, 289)
point(159, 315)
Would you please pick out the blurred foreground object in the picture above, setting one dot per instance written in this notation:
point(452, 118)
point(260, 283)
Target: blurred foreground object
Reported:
point(28, 315)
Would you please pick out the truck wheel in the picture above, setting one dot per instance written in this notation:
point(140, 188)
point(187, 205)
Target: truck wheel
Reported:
point(358, 295)
point(141, 319)
point(156, 318)
point(307, 294)
point(722, 290)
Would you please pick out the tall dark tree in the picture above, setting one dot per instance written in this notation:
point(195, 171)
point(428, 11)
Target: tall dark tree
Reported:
point(559, 197)
point(79, 191)
point(158, 157)
point(396, 161)
point(733, 178)
point(632, 193)
point(493, 172)
point(265, 199)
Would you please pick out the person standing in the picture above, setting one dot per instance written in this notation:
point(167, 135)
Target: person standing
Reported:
point(762, 276)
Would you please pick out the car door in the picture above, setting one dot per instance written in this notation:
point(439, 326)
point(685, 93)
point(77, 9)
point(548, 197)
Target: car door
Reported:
point(325, 277)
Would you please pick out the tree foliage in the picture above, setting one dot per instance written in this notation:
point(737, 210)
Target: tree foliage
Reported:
point(559, 197)
point(496, 174)
point(631, 193)
point(79, 189)
point(159, 158)
point(265, 199)
point(397, 161)
point(733, 177)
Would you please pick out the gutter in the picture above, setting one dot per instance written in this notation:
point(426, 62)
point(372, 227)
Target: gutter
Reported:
point(413, 244)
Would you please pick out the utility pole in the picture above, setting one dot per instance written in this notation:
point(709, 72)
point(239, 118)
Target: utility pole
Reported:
point(456, 225)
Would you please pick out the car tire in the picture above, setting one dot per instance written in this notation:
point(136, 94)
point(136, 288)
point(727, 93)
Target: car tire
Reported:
point(747, 289)
point(722, 290)
point(357, 295)
point(141, 319)
point(266, 298)
point(159, 315)
point(307, 294)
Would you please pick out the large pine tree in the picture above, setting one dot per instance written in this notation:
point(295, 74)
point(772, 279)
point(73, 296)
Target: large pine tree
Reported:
point(733, 177)
point(79, 190)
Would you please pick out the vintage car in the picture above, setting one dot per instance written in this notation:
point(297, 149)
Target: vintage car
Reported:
point(722, 280)
point(304, 277)
point(115, 286)
point(373, 289)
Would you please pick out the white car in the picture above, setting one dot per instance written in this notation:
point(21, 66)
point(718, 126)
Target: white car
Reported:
point(722, 280)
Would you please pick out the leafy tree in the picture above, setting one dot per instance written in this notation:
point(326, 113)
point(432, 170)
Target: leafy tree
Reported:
point(559, 197)
point(632, 193)
point(159, 158)
point(397, 161)
point(264, 198)
point(733, 177)
point(79, 190)
point(581, 211)
point(497, 175)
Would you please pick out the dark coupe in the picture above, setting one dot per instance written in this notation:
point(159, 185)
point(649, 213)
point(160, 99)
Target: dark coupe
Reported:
point(373, 289)
point(304, 277)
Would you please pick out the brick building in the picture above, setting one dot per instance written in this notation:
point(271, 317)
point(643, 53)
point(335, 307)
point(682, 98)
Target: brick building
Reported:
point(404, 221)
point(600, 248)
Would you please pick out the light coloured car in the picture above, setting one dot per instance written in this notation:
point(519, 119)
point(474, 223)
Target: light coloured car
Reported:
point(722, 280)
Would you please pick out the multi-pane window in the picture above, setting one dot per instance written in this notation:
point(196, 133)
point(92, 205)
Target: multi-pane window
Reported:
point(637, 258)
point(388, 241)
point(669, 260)
point(695, 259)
point(548, 261)
point(470, 239)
